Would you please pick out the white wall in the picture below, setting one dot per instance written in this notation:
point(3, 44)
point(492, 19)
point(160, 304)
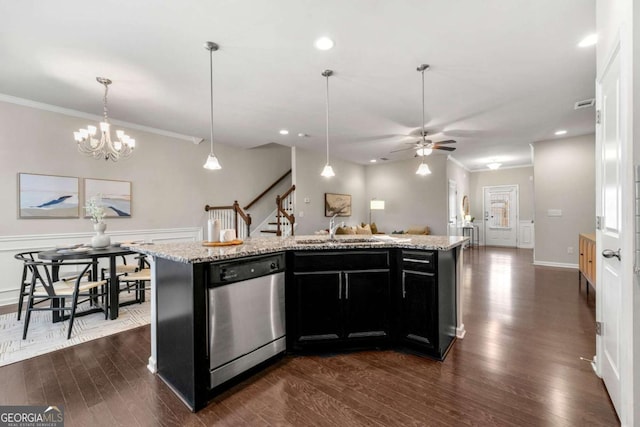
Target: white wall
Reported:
point(169, 186)
point(460, 175)
point(565, 180)
point(522, 177)
point(410, 199)
point(349, 179)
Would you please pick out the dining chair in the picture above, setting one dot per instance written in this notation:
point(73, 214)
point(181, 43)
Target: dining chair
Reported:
point(25, 282)
point(44, 288)
point(138, 281)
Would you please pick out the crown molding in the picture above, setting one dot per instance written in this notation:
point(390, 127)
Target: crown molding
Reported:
point(503, 167)
point(82, 115)
point(457, 162)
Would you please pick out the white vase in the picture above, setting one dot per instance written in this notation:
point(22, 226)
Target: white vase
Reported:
point(100, 240)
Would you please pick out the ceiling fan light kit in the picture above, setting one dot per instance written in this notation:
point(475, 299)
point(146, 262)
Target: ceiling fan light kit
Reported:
point(327, 171)
point(105, 147)
point(212, 162)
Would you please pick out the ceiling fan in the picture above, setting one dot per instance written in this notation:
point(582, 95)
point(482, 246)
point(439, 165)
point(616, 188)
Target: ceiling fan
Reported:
point(425, 146)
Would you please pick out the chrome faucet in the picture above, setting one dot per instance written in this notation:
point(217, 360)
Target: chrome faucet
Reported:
point(333, 227)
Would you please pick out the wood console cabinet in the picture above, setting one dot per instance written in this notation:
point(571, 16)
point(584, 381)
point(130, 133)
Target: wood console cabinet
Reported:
point(338, 297)
point(587, 260)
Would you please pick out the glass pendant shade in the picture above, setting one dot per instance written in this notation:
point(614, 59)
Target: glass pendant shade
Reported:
point(328, 171)
point(424, 151)
point(212, 162)
point(423, 169)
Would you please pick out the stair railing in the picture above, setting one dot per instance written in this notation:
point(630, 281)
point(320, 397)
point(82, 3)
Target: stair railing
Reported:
point(269, 188)
point(284, 210)
point(230, 216)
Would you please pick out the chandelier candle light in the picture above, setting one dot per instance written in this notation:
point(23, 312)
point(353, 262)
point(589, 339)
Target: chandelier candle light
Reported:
point(328, 170)
point(212, 162)
point(423, 169)
point(104, 147)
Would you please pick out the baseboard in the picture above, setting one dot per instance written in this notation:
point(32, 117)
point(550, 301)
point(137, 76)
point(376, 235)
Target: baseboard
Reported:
point(461, 332)
point(555, 264)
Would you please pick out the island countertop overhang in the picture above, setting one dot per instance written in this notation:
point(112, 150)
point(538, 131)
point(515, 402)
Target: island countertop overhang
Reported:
point(195, 252)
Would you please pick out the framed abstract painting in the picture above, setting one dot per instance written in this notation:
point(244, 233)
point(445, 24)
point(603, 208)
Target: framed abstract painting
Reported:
point(47, 196)
point(115, 195)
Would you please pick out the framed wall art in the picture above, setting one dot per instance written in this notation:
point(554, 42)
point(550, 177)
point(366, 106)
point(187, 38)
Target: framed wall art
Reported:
point(116, 196)
point(47, 196)
point(337, 204)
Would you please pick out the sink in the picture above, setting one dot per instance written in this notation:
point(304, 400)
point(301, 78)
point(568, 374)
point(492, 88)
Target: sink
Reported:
point(336, 241)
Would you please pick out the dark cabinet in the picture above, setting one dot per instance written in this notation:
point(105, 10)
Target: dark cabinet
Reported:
point(344, 306)
point(427, 301)
point(418, 313)
point(318, 306)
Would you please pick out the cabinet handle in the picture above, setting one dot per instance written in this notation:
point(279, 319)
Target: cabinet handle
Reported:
point(339, 285)
point(404, 290)
point(346, 286)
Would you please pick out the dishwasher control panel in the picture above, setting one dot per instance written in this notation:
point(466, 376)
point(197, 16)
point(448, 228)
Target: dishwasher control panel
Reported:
point(245, 269)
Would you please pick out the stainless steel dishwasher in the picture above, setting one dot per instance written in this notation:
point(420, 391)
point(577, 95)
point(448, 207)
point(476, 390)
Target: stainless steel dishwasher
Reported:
point(246, 317)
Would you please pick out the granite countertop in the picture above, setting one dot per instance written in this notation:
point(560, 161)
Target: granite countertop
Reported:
point(194, 252)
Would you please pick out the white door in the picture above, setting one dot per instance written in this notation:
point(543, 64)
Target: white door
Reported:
point(453, 208)
point(501, 215)
point(609, 179)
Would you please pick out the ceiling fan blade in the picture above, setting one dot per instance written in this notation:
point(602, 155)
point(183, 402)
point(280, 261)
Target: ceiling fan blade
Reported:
point(404, 149)
point(444, 148)
point(448, 141)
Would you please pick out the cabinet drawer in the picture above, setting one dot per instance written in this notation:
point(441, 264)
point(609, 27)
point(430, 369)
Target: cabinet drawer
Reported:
point(419, 261)
point(340, 261)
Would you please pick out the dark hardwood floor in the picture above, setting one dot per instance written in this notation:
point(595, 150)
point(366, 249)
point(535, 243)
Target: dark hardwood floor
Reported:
point(518, 365)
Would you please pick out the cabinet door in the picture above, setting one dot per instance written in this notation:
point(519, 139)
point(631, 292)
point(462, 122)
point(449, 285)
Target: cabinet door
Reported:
point(366, 301)
point(318, 306)
point(419, 309)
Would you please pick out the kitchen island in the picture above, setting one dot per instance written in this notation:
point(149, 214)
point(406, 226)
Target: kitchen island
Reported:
point(220, 312)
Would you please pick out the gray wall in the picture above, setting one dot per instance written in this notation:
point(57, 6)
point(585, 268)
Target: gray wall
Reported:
point(169, 185)
point(565, 179)
point(410, 199)
point(349, 179)
point(461, 176)
point(523, 177)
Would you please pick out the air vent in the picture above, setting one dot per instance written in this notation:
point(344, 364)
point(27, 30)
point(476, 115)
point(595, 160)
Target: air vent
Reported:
point(585, 104)
point(383, 158)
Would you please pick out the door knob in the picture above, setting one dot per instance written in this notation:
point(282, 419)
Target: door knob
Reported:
point(609, 253)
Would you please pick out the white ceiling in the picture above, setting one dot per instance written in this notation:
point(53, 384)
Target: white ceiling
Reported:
point(504, 73)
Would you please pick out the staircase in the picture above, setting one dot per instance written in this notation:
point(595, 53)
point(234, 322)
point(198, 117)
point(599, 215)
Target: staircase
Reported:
point(284, 224)
point(279, 222)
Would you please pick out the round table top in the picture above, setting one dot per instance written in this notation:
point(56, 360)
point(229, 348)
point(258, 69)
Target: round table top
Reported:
point(65, 254)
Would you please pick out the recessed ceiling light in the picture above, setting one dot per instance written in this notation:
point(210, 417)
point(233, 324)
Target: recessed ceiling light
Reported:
point(302, 135)
point(323, 43)
point(284, 132)
point(372, 161)
point(560, 132)
point(590, 40)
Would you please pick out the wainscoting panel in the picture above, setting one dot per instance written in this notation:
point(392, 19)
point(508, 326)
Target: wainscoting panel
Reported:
point(11, 269)
point(526, 233)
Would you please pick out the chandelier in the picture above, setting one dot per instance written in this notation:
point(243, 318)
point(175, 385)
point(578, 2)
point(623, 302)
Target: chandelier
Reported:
point(104, 147)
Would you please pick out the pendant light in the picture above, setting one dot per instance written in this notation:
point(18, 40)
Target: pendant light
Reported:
point(212, 162)
point(423, 169)
point(328, 170)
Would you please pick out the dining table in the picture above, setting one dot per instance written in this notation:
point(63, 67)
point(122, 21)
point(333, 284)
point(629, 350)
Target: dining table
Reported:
point(66, 254)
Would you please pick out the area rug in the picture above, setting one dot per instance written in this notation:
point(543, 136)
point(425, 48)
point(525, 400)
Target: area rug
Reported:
point(44, 336)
